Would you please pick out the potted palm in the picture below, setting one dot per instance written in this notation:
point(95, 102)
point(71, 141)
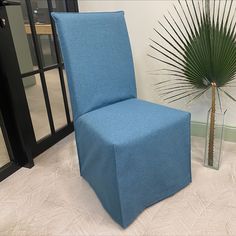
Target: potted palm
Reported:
point(201, 56)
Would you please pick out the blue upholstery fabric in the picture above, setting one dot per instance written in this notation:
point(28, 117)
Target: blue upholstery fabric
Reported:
point(93, 43)
point(133, 153)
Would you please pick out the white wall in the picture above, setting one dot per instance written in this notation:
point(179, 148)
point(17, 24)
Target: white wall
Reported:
point(141, 17)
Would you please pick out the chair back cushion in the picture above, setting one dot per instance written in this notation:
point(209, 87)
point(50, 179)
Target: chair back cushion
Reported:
point(98, 59)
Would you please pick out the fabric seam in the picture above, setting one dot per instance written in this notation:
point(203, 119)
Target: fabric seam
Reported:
point(118, 189)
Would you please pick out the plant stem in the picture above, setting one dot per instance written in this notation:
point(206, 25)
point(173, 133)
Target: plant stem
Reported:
point(212, 125)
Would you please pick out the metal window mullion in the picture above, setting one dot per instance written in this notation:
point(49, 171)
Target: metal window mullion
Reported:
point(57, 50)
point(34, 72)
point(40, 65)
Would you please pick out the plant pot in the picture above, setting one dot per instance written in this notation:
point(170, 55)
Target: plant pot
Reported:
point(214, 139)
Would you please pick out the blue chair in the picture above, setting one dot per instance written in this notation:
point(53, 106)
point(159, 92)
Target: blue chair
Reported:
point(133, 153)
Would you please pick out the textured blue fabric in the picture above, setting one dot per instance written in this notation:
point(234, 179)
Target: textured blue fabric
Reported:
point(133, 153)
point(97, 57)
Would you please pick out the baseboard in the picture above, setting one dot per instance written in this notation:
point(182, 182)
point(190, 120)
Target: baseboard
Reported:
point(199, 129)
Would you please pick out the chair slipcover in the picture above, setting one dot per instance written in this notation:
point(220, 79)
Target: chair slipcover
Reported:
point(133, 153)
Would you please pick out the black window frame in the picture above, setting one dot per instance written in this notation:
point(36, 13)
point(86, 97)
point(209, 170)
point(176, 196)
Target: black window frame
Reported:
point(14, 106)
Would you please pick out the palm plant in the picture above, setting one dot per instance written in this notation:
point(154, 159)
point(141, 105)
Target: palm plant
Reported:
point(201, 54)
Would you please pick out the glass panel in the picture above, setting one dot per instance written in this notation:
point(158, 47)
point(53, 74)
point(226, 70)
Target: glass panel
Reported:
point(47, 44)
point(44, 31)
point(4, 157)
point(59, 5)
point(36, 103)
point(22, 37)
point(56, 98)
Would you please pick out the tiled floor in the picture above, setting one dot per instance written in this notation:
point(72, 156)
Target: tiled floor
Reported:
point(52, 199)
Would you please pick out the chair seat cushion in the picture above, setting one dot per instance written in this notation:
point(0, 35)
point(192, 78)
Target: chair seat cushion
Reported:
point(134, 153)
point(131, 119)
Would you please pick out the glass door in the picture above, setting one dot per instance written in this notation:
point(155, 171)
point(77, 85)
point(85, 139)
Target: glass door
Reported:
point(42, 69)
point(33, 78)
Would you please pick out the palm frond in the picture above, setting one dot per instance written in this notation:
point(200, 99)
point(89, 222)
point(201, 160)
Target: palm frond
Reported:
point(185, 96)
point(202, 48)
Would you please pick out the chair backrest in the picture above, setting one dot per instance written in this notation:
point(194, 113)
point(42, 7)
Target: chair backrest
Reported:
point(98, 59)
